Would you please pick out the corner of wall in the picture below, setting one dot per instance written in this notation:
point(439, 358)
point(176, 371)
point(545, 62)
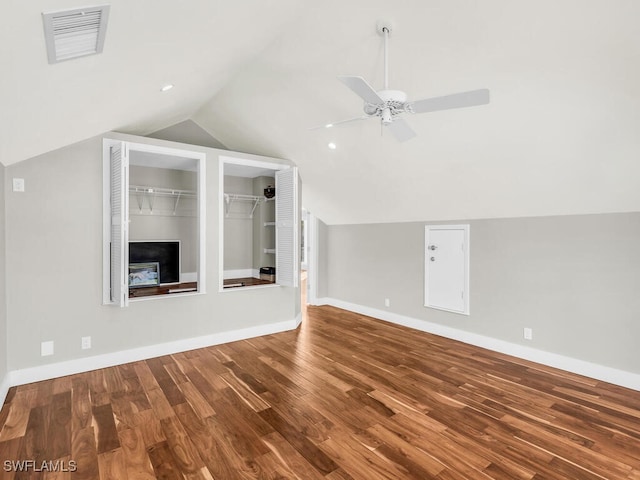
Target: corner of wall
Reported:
point(4, 374)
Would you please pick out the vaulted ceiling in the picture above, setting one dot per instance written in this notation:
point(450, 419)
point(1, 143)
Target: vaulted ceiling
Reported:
point(560, 135)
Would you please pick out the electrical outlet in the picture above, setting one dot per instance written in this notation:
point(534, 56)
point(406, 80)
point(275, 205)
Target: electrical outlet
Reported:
point(528, 333)
point(387, 302)
point(18, 184)
point(46, 348)
point(86, 343)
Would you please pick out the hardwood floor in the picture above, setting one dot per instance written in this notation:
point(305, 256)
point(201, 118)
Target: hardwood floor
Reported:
point(344, 397)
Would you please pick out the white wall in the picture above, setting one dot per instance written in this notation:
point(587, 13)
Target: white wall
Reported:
point(54, 266)
point(573, 279)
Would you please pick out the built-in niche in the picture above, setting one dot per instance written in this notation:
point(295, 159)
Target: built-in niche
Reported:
point(154, 237)
point(255, 241)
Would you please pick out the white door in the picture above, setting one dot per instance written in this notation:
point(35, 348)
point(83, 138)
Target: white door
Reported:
point(447, 267)
point(287, 228)
point(119, 157)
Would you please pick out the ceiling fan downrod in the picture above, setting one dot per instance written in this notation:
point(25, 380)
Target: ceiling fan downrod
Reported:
point(385, 32)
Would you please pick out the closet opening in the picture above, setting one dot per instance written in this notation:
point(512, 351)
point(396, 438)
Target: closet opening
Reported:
point(153, 222)
point(259, 224)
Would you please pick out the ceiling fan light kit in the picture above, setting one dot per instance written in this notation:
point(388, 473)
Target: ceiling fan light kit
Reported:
point(389, 104)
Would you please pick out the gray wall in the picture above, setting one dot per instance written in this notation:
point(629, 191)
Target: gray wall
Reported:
point(574, 280)
point(322, 289)
point(3, 303)
point(238, 229)
point(163, 225)
point(54, 267)
point(189, 132)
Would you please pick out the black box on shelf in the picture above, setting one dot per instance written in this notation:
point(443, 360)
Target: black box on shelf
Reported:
point(270, 191)
point(268, 273)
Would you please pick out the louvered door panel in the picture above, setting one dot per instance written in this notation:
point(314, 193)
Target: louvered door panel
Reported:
point(119, 225)
point(287, 228)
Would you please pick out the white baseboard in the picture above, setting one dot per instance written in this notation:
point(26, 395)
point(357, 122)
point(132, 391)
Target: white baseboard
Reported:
point(5, 384)
point(70, 367)
point(573, 365)
point(242, 273)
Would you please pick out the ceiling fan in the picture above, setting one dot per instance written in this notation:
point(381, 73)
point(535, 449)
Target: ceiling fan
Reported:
point(389, 105)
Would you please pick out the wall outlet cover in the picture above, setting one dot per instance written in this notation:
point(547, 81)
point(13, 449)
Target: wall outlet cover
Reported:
point(86, 343)
point(46, 348)
point(528, 334)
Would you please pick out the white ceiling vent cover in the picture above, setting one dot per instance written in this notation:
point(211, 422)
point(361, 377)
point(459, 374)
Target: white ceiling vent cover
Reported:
point(75, 33)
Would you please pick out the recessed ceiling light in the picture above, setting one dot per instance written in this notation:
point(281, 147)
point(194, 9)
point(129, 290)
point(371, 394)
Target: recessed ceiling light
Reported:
point(332, 146)
point(328, 125)
point(166, 88)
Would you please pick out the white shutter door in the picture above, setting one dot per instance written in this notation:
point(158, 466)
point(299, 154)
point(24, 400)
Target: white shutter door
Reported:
point(119, 225)
point(287, 228)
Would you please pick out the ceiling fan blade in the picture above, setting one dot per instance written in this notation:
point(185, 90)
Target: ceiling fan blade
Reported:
point(401, 130)
point(457, 100)
point(341, 122)
point(361, 88)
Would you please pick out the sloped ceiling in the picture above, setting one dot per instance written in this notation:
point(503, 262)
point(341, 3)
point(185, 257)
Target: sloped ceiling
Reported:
point(196, 45)
point(560, 135)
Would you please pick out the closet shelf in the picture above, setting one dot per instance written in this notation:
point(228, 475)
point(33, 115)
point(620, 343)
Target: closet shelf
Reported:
point(251, 200)
point(269, 250)
point(142, 192)
point(161, 191)
point(269, 224)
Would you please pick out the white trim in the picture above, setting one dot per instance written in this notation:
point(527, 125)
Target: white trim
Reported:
point(202, 224)
point(241, 273)
point(298, 319)
point(312, 260)
point(71, 367)
point(221, 223)
point(569, 364)
point(5, 385)
point(253, 163)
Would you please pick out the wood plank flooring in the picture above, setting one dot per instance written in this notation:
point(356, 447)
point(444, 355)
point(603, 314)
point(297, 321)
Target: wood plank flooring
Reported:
point(344, 397)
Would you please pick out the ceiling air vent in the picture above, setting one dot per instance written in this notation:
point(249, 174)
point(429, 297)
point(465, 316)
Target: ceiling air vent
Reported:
point(75, 33)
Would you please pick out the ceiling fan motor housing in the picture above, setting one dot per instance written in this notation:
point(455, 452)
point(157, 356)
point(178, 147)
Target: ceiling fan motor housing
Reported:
point(394, 104)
